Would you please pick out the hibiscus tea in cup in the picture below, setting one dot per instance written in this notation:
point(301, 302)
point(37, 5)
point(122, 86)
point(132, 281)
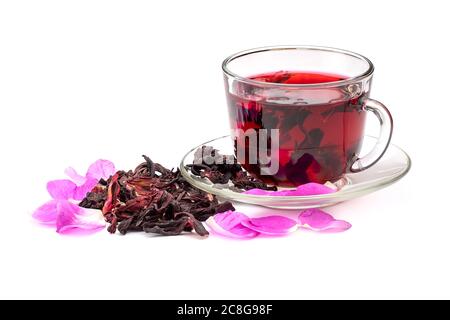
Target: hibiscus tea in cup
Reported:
point(318, 140)
point(306, 107)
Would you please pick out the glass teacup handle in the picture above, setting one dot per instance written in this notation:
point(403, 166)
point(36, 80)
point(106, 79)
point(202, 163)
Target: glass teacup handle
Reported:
point(386, 125)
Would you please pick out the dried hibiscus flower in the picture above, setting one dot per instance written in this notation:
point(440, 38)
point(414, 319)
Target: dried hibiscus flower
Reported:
point(153, 199)
point(221, 169)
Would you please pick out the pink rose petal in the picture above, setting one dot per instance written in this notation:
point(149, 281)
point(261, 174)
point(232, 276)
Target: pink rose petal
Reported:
point(46, 213)
point(74, 176)
point(338, 226)
point(261, 192)
point(258, 192)
point(71, 218)
point(229, 224)
point(318, 220)
point(271, 225)
point(307, 189)
point(61, 189)
point(101, 169)
point(230, 219)
point(312, 188)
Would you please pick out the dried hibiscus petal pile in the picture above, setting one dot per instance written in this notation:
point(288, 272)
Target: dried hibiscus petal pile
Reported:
point(218, 168)
point(152, 199)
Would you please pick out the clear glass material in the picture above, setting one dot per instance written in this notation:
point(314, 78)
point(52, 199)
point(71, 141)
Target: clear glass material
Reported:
point(320, 125)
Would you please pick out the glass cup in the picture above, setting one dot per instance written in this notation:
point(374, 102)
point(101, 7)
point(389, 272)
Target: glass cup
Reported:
point(297, 113)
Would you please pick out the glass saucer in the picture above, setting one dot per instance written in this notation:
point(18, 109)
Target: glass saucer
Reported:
point(394, 165)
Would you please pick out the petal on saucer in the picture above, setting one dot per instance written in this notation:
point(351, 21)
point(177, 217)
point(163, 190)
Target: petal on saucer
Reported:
point(259, 192)
point(312, 188)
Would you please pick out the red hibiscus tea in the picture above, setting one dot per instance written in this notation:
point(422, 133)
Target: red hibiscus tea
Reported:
point(320, 131)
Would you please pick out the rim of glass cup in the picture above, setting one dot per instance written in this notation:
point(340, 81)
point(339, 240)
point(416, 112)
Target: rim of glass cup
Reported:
point(364, 75)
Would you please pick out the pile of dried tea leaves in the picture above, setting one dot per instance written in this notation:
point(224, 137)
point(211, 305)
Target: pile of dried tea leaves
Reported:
point(153, 199)
point(220, 169)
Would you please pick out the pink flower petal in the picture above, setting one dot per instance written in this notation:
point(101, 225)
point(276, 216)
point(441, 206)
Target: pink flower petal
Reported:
point(307, 189)
point(61, 189)
point(101, 169)
point(81, 191)
point(47, 212)
point(312, 188)
point(260, 192)
point(230, 219)
point(74, 176)
point(271, 225)
point(98, 170)
point(71, 218)
point(318, 220)
point(229, 224)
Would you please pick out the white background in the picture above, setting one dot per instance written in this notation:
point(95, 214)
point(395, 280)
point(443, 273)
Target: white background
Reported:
point(82, 80)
